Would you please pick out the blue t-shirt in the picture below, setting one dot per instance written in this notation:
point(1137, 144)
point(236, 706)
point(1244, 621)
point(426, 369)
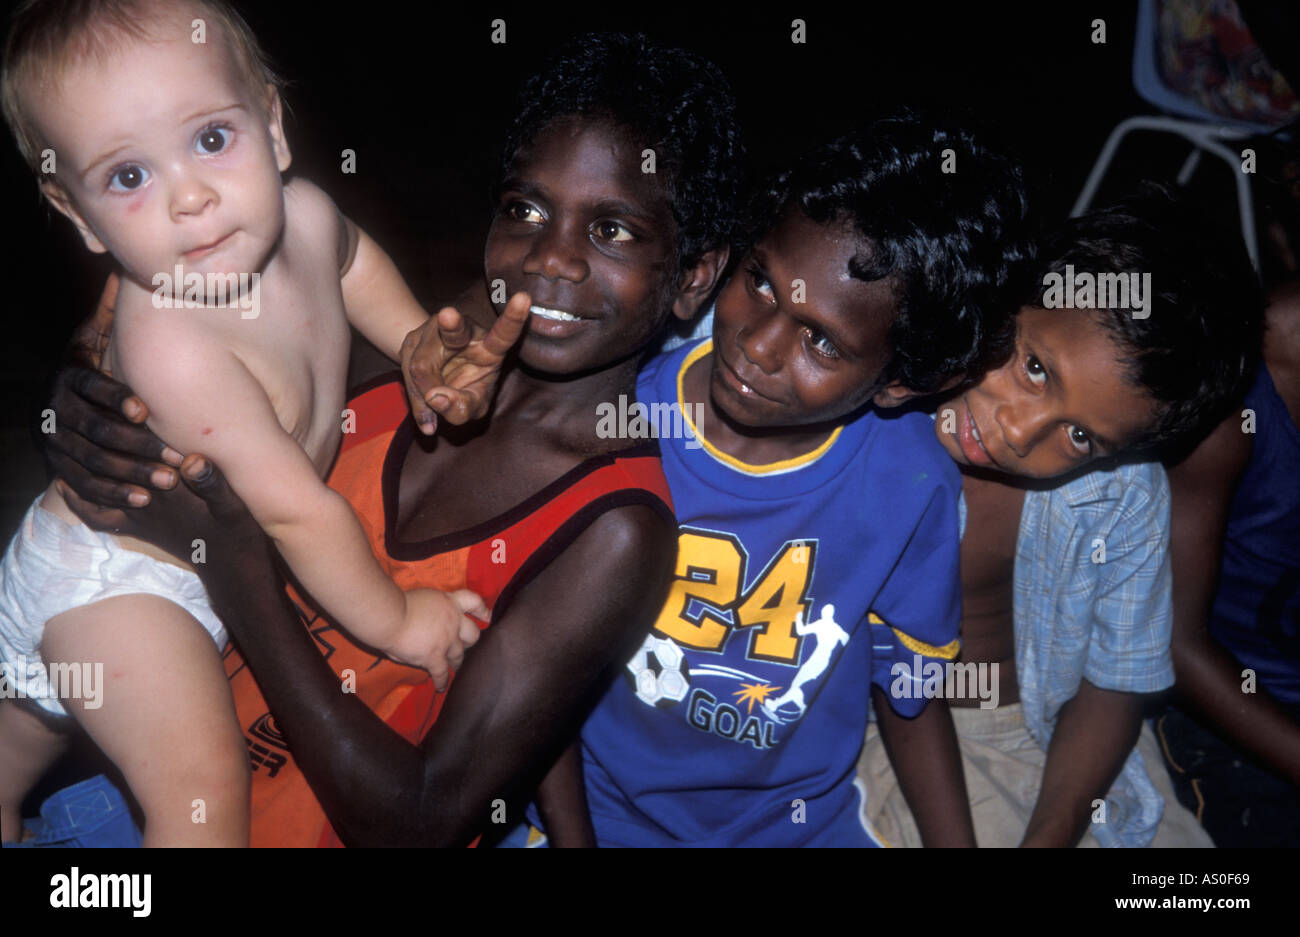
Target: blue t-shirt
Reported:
point(1257, 608)
point(740, 719)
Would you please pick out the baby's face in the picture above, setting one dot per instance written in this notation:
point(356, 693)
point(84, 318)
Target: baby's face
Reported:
point(164, 157)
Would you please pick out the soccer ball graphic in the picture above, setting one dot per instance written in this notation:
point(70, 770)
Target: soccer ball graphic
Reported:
point(658, 672)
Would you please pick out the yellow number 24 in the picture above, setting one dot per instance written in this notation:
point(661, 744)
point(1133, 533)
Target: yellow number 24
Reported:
point(711, 569)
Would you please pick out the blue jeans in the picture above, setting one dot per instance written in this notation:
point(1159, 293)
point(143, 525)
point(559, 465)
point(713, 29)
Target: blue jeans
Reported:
point(90, 814)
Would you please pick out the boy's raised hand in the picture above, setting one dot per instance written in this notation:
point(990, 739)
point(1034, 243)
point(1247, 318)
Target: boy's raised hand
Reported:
point(451, 366)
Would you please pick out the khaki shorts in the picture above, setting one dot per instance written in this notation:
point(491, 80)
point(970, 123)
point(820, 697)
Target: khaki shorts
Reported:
point(1004, 770)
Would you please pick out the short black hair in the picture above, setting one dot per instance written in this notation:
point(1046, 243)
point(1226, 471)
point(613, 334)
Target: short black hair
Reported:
point(1196, 350)
point(942, 213)
point(669, 100)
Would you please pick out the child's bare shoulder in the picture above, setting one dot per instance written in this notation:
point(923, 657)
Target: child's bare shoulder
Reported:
point(312, 220)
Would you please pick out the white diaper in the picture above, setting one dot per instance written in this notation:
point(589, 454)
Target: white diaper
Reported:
point(51, 567)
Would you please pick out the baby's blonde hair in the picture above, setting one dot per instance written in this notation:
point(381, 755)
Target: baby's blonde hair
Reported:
point(45, 36)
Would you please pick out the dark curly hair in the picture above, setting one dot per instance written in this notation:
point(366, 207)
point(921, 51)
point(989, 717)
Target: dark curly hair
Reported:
point(669, 100)
point(951, 240)
point(1196, 350)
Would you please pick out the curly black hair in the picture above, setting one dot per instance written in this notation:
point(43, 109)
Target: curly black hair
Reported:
point(1196, 350)
point(952, 240)
point(667, 99)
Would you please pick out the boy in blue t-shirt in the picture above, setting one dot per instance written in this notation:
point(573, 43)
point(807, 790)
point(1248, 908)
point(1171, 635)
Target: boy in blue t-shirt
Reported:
point(810, 522)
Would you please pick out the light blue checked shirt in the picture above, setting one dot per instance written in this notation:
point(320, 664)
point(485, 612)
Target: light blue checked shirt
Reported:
point(1109, 621)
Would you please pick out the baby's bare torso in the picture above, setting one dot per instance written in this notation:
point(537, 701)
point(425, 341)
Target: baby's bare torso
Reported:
point(294, 342)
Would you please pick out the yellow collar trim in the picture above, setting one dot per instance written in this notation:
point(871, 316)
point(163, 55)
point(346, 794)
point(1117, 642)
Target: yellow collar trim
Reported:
point(785, 465)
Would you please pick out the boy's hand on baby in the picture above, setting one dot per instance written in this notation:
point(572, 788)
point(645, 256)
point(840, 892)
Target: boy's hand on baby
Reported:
point(204, 508)
point(437, 631)
point(451, 366)
point(100, 445)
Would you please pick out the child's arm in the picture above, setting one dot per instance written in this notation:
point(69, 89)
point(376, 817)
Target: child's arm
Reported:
point(562, 802)
point(1209, 677)
point(1094, 734)
point(927, 762)
point(379, 304)
point(1127, 663)
point(209, 401)
point(918, 611)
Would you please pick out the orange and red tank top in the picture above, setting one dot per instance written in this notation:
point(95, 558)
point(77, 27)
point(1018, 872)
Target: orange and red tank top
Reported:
point(285, 812)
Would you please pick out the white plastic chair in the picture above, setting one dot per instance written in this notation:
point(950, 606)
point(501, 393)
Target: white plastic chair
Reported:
point(1206, 131)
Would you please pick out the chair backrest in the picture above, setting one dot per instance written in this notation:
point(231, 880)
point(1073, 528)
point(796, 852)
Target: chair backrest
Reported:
point(1150, 81)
